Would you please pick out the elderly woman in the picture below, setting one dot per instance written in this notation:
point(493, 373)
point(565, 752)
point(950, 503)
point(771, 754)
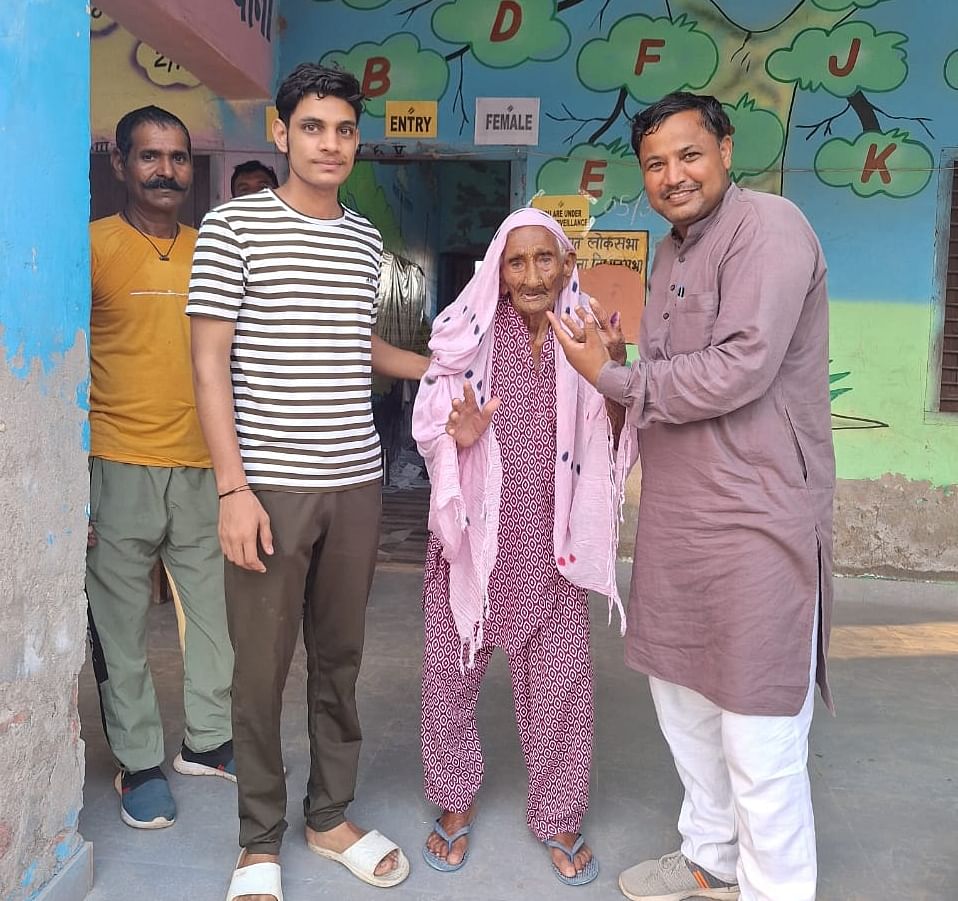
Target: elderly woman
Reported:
point(523, 519)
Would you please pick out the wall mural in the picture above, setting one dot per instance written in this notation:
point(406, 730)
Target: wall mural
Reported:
point(127, 73)
point(864, 146)
point(825, 46)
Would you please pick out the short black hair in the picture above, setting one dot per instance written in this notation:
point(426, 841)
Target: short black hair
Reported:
point(147, 115)
point(252, 166)
point(323, 81)
point(713, 116)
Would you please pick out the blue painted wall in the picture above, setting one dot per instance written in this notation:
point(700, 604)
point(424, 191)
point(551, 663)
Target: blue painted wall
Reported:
point(44, 315)
point(44, 153)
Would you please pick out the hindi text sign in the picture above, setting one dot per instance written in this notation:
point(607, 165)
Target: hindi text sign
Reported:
point(612, 270)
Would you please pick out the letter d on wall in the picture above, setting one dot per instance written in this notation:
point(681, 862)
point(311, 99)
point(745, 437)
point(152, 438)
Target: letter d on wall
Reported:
point(500, 31)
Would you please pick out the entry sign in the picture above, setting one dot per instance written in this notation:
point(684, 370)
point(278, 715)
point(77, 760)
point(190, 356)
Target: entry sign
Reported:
point(272, 114)
point(507, 120)
point(411, 119)
point(571, 211)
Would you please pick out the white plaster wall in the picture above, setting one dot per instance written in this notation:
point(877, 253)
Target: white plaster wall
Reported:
point(43, 496)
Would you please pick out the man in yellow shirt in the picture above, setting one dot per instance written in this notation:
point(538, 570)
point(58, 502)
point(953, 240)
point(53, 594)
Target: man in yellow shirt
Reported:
point(152, 492)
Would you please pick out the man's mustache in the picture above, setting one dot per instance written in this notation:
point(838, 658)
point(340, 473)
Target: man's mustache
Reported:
point(688, 186)
point(159, 184)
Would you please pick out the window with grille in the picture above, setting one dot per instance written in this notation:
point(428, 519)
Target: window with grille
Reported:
point(948, 392)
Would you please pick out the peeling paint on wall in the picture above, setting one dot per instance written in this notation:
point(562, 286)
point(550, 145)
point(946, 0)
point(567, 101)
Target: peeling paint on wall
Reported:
point(44, 313)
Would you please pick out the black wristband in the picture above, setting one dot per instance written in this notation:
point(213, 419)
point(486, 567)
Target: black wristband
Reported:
point(243, 487)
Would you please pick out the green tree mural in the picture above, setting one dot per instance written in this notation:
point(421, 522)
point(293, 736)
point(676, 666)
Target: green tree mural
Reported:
point(395, 69)
point(759, 137)
point(863, 164)
point(606, 172)
point(502, 35)
point(951, 70)
point(839, 5)
point(359, 4)
point(847, 61)
point(817, 46)
point(850, 58)
point(648, 58)
point(814, 47)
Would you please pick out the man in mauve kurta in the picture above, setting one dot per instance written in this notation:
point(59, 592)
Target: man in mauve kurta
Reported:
point(732, 586)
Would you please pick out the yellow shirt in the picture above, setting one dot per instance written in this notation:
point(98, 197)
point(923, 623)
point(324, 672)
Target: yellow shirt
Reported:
point(142, 408)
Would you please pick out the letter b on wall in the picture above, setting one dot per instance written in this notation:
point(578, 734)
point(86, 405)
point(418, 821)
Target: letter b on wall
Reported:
point(376, 77)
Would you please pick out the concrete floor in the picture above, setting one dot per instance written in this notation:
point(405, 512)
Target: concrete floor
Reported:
point(883, 773)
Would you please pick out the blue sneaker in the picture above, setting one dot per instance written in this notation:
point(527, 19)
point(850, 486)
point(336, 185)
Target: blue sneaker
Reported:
point(218, 762)
point(145, 799)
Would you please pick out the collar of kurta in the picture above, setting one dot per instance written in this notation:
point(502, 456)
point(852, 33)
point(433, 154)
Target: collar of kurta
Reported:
point(697, 229)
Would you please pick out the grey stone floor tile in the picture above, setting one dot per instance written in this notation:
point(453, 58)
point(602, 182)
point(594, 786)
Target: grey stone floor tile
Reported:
point(883, 772)
point(118, 879)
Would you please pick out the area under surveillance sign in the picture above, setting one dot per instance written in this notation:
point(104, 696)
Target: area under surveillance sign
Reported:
point(507, 120)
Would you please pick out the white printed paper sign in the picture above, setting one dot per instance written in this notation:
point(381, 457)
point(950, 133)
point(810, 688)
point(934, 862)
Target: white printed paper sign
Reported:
point(507, 120)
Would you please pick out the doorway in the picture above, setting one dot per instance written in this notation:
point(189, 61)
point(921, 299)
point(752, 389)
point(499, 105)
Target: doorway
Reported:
point(437, 217)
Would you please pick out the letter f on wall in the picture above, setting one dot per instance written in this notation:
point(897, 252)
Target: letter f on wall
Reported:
point(645, 45)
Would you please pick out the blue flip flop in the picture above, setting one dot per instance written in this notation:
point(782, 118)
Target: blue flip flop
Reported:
point(583, 877)
point(436, 862)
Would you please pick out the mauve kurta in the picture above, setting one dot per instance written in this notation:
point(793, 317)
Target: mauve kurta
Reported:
point(730, 398)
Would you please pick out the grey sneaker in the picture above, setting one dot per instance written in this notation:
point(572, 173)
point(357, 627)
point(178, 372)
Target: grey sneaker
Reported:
point(673, 878)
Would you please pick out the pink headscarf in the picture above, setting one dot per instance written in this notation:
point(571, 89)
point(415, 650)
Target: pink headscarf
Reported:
point(467, 484)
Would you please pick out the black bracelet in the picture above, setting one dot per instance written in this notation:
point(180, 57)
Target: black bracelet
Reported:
point(243, 487)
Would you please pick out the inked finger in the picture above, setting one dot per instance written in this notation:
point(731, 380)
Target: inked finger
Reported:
point(598, 312)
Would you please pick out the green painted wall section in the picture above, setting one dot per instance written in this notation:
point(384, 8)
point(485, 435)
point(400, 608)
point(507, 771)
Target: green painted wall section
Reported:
point(884, 348)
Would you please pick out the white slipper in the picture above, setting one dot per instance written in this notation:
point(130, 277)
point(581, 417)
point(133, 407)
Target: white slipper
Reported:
point(256, 879)
point(362, 857)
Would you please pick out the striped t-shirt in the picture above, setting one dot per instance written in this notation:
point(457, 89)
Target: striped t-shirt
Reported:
point(302, 292)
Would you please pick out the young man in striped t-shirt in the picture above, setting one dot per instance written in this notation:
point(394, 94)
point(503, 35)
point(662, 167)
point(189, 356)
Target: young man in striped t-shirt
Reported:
point(283, 301)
